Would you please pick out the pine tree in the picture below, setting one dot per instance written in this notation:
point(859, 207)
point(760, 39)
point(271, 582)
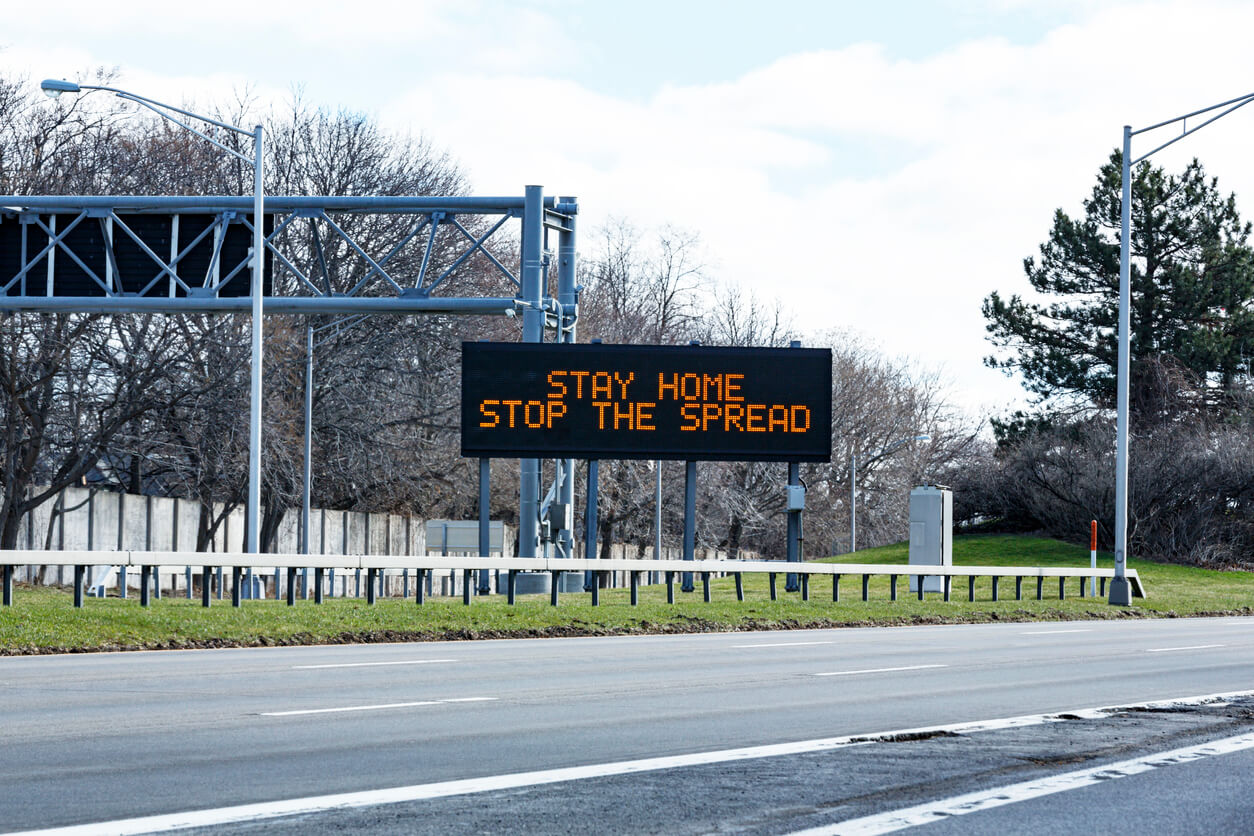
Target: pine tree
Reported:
point(1192, 286)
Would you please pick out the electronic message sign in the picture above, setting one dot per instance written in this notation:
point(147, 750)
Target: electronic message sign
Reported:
point(646, 402)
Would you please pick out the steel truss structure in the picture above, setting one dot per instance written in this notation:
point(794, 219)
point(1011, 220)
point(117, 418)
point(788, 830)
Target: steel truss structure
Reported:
point(191, 266)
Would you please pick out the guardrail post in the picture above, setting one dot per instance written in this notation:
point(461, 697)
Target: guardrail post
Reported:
point(511, 586)
point(866, 584)
point(970, 587)
point(420, 586)
point(995, 580)
point(892, 583)
point(772, 586)
point(206, 581)
point(740, 587)
point(947, 584)
point(8, 585)
point(468, 577)
point(318, 571)
point(1019, 588)
point(79, 570)
point(1040, 588)
point(145, 575)
point(556, 577)
point(705, 586)
point(291, 586)
point(805, 586)
point(921, 580)
point(235, 587)
point(596, 589)
point(670, 587)
point(635, 588)
point(1062, 588)
point(1082, 585)
point(1103, 588)
point(835, 588)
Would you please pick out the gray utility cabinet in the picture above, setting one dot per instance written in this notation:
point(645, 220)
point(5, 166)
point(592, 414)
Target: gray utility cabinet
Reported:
point(931, 532)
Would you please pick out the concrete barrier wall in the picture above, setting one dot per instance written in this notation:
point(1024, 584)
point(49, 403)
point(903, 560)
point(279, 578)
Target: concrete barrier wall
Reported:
point(86, 519)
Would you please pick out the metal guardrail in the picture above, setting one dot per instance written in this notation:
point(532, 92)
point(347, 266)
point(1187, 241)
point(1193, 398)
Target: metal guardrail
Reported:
point(176, 562)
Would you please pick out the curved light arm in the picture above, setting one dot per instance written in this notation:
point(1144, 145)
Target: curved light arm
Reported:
point(55, 87)
point(1240, 101)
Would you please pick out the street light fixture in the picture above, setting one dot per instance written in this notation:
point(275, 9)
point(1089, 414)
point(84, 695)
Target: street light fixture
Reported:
point(853, 482)
point(54, 88)
point(1120, 590)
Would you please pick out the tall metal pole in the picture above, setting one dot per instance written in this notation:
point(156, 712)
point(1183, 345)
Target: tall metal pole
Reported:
point(1120, 592)
point(853, 502)
point(566, 297)
point(254, 397)
point(533, 332)
point(307, 470)
point(657, 512)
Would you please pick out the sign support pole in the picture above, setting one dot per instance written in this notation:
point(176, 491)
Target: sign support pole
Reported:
point(690, 521)
point(533, 332)
point(590, 522)
point(794, 525)
point(485, 515)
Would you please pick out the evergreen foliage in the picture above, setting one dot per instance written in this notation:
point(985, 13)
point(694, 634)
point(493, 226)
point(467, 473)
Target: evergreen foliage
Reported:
point(1192, 281)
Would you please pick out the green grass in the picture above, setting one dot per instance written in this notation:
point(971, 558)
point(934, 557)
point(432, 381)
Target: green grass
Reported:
point(44, 620)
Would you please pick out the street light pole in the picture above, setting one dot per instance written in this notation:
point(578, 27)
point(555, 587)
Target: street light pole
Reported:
point(853, 482)
point(55, 87)
point(1120, 590)
point(254, 399)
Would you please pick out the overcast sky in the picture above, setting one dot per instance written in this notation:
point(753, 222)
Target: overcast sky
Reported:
point(879, 167)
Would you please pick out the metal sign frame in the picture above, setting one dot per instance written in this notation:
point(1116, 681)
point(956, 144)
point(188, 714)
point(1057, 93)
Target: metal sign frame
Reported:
point(380, 290)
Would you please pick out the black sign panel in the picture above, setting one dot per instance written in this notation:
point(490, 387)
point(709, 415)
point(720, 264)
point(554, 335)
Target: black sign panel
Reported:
point(646, 402)
point(135, 269)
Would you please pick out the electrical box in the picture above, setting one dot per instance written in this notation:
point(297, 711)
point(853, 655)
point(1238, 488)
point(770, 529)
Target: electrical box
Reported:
point(561, 516)
point(931, 532)
point(796, 498)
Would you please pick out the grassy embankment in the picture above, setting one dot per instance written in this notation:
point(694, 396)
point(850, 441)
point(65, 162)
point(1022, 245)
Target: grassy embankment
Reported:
point(44, 620)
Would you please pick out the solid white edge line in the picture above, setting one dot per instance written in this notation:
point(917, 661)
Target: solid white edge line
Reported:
point(371, 707)
point(369, 664)
point(444, 789)
point(973, 802)
point(881, 670)
point(1191, 647)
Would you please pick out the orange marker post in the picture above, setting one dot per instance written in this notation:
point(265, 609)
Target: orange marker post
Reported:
point(1093, 556)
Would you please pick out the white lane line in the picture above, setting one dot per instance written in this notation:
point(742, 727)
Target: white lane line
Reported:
point(782, 644)
point(370, 664)
point(444, 789)
point(973, 802)
point(1052, 632)
point(881, 670)
point(1190, 647)
point(372, 707)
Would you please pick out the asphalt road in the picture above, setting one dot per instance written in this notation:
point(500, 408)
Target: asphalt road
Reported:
point(98, 738)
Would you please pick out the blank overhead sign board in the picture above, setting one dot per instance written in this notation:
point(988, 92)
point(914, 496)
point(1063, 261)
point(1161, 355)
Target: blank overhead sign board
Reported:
point(97, 257)
point(646, 402)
